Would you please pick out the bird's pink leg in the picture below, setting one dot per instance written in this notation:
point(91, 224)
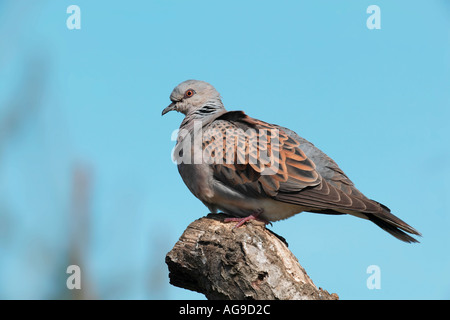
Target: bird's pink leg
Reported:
point(253, 216)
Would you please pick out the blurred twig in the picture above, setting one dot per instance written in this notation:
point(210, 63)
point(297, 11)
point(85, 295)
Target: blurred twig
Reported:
point(24, 102)
point(14, 114)
point(79, 224)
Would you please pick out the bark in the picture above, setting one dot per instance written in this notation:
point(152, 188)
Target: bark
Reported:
point(250, 262)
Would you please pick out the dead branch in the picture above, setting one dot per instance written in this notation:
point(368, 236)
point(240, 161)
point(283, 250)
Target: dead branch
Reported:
point(249, 262)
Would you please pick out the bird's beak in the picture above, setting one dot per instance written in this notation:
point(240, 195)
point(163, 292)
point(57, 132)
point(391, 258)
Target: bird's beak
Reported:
point(170, 107)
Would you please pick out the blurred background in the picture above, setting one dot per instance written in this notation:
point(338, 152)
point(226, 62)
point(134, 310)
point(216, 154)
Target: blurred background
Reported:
point(86, 176)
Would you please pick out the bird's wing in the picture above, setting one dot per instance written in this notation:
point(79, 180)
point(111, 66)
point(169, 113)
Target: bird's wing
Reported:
point(334, 179)
point(237, 144)
point(255, 157)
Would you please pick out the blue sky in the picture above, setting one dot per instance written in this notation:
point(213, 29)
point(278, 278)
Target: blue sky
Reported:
point(376, 101)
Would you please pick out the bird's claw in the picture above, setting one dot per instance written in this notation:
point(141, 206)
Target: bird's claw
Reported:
point(242, 221)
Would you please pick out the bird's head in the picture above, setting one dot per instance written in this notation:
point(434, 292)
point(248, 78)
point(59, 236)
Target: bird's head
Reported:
point(194, 96)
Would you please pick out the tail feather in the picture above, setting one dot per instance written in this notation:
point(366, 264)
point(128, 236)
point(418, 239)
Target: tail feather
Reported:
point(392, 224)
point(395, 229)
point(327, 199)
point(384, 219)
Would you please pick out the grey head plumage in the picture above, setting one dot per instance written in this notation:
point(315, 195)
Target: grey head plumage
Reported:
point(197, 100)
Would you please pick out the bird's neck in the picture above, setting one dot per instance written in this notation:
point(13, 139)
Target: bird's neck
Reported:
point(206, 114)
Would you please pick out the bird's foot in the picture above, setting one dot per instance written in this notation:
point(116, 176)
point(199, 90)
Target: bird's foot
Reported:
point(253, 216)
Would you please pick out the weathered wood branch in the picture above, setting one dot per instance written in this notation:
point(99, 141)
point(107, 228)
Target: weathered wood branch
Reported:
point(249, 262)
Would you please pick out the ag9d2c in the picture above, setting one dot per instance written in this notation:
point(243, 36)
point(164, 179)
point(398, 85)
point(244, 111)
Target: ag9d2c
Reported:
point(247, 309)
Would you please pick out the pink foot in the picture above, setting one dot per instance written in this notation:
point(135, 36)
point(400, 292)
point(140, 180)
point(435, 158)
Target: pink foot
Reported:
point(241, 221)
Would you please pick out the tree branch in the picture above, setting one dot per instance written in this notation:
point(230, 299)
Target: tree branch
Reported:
point(250, 262)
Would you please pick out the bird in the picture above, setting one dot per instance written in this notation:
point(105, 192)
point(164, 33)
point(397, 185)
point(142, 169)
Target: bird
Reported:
point(254, 170)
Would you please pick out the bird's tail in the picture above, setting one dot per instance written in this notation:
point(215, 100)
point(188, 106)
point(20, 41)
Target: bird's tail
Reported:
point(392, 224)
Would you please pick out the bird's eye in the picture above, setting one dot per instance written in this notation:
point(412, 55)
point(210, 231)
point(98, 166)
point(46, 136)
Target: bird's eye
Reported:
point(189, 93)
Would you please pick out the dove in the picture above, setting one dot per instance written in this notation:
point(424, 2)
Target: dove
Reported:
point(250, 169)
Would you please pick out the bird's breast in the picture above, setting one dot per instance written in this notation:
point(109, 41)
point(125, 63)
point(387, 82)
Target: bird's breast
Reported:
point(197, 179)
